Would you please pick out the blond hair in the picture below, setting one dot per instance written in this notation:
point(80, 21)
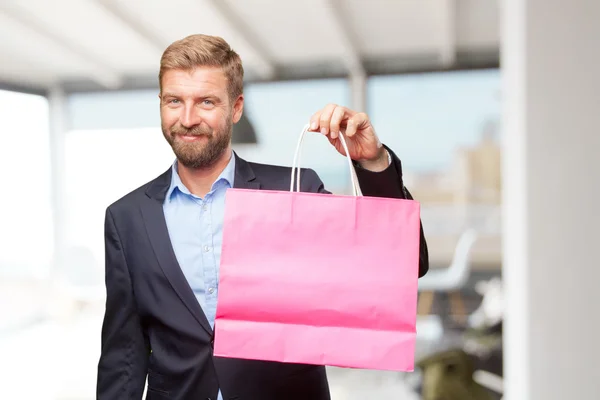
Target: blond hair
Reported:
point(205, 51)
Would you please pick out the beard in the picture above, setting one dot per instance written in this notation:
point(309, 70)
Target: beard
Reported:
point(199, 154)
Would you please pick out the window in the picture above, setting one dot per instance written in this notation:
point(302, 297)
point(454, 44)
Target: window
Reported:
point(278, 112)
point(26, 209)
point(102, 166)
point(444, 128)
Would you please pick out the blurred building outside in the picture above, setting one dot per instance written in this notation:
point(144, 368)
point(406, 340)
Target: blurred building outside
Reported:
point(466, 195)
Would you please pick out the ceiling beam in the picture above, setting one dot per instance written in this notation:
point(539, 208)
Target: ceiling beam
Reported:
point(97, 69)
point(448, 32)
point(112, 7)
point(405, 64)
point(265, 65)
point(350, 54)
point(20, 88)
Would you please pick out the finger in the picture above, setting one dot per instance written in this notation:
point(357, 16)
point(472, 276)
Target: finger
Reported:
point(336, 119)
point(325, 118)
point(314, 121)
point(356, 122)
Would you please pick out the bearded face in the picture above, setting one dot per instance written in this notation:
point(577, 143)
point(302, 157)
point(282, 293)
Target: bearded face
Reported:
point(197, 115)
point(199, 146)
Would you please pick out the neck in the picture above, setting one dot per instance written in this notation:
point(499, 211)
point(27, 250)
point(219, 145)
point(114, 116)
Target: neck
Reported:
point(199, 181)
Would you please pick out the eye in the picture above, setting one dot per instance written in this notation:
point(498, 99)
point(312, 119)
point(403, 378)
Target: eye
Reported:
point(208, 103)
point(173, 101)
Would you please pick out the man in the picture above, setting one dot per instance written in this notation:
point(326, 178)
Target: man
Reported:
point(163, 240)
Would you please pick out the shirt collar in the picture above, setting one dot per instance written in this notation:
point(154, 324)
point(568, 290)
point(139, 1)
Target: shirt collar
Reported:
point(227, 177)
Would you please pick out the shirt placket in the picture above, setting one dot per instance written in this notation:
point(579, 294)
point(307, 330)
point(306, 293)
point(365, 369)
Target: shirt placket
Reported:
point(208, 259)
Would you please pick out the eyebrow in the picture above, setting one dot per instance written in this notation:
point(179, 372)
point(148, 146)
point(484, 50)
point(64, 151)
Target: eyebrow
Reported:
point(206, 96)
point(168, 94)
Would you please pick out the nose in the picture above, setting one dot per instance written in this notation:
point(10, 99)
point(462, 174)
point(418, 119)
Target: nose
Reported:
point(189, 117)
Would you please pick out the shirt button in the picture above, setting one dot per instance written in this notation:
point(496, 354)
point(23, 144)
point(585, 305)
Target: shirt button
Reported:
point(211, 290)
point(206, 249)
point(205, 208)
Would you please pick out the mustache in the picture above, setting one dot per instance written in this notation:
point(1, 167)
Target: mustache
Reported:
point(194, 131)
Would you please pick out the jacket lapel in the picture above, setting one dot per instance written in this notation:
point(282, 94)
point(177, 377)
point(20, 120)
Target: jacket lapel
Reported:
point(244, 175)
point(156, 227)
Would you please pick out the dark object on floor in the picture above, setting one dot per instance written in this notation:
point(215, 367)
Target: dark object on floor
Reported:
point(448, 375)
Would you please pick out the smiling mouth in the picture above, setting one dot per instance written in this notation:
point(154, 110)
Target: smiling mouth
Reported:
point(192, 137)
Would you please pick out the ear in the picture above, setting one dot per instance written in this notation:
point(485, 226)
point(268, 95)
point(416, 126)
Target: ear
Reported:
point(238, 108)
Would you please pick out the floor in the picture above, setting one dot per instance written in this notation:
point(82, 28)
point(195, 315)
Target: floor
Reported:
point(347, 384)
point(57, 361)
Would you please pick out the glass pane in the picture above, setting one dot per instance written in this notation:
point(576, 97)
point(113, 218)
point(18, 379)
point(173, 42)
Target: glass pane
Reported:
point(445, 128)
point(279, 111)
point(101, 167)
point(26, 242)
point(25, 200)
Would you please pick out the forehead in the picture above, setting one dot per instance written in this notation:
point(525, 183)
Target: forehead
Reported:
point(197, 80)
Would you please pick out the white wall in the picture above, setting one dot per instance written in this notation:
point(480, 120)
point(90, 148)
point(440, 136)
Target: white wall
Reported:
point(551, 89)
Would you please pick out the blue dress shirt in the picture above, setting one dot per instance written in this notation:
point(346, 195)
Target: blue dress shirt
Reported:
point(196, 230)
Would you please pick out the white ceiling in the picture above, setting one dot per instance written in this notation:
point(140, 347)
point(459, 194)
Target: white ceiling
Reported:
point(115, 43)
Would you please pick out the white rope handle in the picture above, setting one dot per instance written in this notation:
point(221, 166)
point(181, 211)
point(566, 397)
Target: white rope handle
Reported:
point(295, 178)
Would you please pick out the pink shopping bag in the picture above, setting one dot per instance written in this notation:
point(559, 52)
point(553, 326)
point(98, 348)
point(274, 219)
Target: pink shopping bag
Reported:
point(318, 278)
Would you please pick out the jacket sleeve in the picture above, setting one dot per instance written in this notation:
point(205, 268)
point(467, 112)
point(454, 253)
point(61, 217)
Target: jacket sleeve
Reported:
point(387, 183)
point(124, 352)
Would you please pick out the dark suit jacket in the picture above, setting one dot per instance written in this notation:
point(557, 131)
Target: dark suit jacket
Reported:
point(154, 325)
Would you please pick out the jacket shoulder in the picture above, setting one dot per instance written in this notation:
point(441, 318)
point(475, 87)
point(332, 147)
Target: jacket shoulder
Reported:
point(279, 177)
point(261, 169)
